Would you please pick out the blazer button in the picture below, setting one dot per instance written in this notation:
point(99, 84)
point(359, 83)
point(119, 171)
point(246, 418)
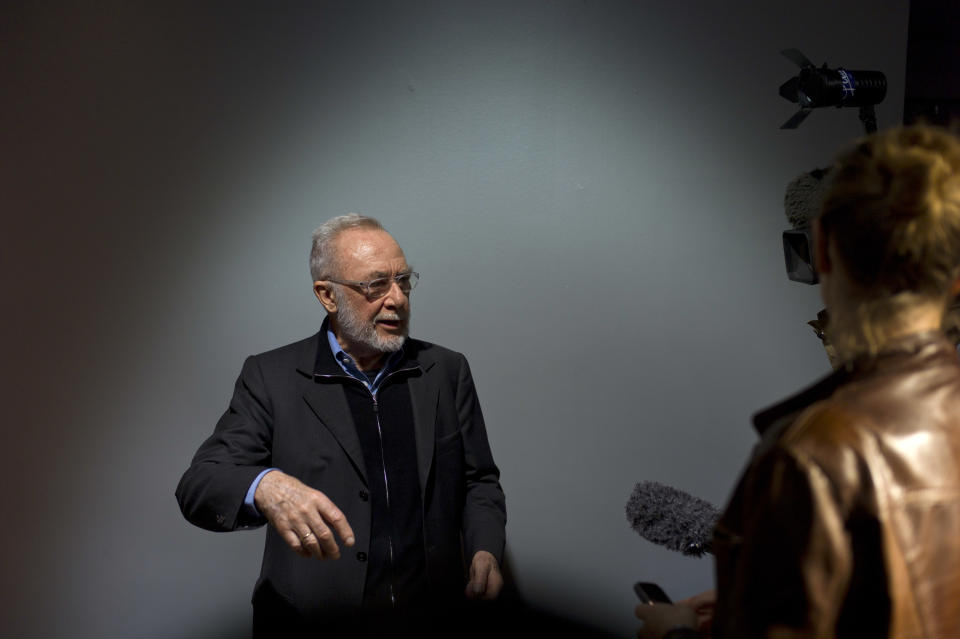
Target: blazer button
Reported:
point(364, 495)
point(361, 556)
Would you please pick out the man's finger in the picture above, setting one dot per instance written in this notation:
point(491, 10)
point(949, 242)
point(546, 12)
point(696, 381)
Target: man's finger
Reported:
point(323, 535)
point(336, 520)
point(293, 540)
point(323, 538)
point(494, 584)
point(478, 578)
point(314, 546)
point(478, 587)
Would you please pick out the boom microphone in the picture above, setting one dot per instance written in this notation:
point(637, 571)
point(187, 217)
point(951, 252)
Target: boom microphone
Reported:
point(672, 518)
point(802, 202)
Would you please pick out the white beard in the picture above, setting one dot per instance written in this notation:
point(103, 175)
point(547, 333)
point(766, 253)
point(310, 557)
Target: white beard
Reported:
point(363, 333)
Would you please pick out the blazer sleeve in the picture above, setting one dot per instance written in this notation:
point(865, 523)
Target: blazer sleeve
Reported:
point(212, 490)
point(485, 510)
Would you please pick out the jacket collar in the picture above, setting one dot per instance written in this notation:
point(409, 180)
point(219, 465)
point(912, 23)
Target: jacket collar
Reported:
point(902, 352)
point(786, 411)
point(318, 360)
point(327, 401)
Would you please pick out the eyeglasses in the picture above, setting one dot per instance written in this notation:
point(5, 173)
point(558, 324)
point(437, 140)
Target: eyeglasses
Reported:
point(375, 289)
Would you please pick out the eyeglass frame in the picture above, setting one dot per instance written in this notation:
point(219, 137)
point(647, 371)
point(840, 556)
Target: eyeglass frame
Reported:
point(365, 286)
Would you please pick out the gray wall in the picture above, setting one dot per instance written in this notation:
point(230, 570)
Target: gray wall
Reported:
point(591, 191)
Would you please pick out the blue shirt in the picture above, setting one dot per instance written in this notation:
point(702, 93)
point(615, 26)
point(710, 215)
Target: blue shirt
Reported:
point(350, 367)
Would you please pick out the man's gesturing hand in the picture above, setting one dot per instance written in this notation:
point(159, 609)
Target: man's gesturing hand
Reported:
point(303, 516)
point(485, 578)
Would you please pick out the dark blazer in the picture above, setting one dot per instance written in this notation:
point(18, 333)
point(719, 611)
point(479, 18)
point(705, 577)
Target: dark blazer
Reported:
point(289, 411)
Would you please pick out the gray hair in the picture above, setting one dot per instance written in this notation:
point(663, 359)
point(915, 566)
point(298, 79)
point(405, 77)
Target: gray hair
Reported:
point(323, 253)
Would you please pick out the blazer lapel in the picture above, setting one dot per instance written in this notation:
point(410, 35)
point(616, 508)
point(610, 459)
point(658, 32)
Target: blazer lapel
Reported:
point(324, 394)
point(423, 395)
point(325, 397)
point(329, 404)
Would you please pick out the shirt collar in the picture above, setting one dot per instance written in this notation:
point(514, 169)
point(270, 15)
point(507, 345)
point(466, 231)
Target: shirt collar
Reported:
point(349, 366)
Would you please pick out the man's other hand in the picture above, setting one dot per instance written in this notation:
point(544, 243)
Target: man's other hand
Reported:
point(303, 516)
point(485, 578)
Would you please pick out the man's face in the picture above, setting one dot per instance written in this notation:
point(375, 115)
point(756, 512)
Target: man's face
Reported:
point(363, 325)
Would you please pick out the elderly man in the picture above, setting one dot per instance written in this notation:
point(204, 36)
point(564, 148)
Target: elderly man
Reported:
point(364, 450)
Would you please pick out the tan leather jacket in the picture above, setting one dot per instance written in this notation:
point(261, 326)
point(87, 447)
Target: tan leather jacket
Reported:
point(846, 522)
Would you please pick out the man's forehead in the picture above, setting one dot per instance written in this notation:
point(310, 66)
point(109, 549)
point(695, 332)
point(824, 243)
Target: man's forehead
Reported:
point(370, 252)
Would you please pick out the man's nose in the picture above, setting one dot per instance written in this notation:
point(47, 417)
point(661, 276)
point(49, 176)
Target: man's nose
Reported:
point(395, 296)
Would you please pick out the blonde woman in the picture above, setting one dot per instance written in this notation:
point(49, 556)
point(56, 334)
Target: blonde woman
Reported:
point(846, 522)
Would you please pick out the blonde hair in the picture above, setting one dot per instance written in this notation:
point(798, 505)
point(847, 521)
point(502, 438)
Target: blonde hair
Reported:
point(893, 212)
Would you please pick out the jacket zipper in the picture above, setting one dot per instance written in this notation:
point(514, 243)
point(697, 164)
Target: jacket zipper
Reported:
point(383, 463)
point(386, 484)
point(386, 487)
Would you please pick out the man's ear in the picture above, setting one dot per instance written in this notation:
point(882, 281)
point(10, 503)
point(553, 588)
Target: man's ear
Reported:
point(821, 254)
point(324, 292)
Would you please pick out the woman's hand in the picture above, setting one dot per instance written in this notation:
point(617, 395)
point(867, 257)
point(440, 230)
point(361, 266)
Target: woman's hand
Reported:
point(659, 618)
point(704, 605)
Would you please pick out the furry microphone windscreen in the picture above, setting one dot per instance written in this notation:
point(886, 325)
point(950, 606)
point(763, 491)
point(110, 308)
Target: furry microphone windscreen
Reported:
point(804, 197)
point(672, 518)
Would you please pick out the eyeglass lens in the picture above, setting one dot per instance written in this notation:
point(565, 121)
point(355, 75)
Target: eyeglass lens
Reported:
point(379, 287)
